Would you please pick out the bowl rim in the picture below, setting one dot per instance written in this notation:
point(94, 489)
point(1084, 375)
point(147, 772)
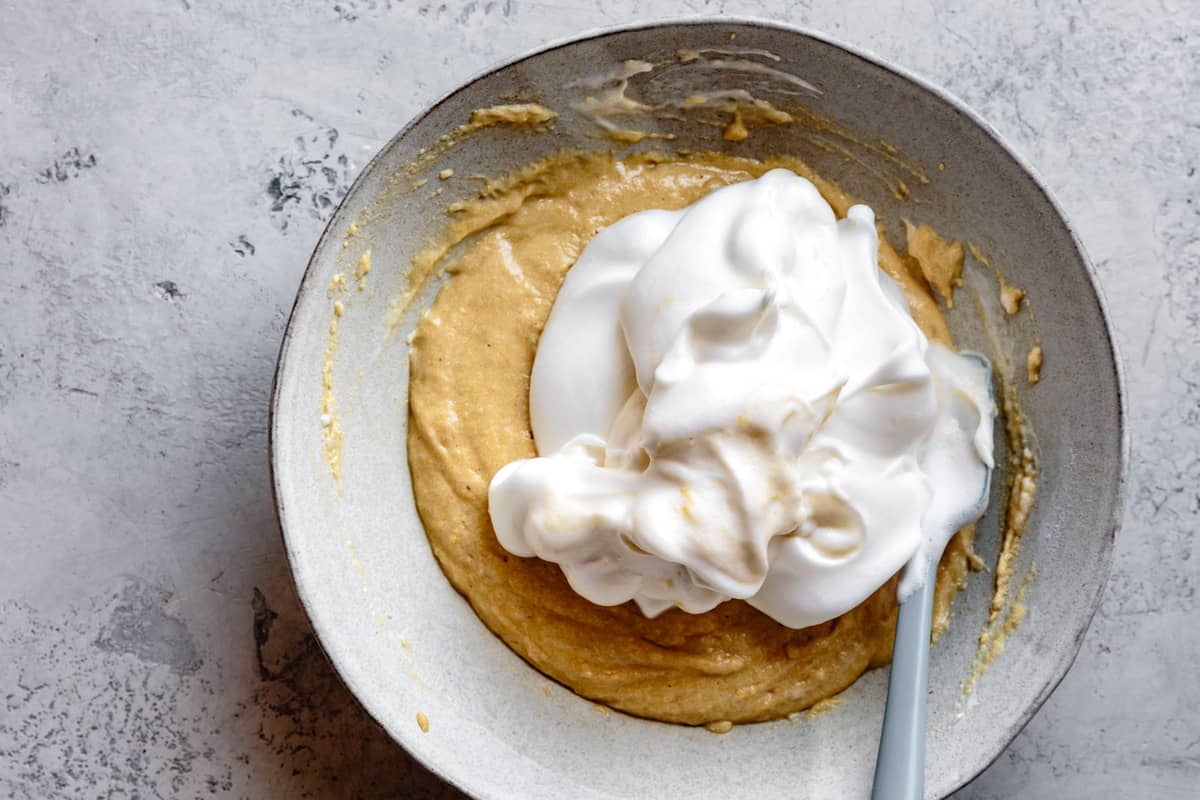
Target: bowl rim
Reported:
point(307, 286)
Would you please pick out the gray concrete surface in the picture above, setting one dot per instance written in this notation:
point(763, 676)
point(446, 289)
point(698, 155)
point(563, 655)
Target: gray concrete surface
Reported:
point(165, 167)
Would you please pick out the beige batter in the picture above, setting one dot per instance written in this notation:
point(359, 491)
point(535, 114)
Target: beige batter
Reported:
point(940, 260)
point(471, 360)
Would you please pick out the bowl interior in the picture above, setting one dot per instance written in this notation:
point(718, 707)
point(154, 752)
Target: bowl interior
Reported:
point(406, 642)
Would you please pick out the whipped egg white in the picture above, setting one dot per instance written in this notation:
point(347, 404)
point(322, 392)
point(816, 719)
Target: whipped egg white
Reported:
point(733, 401)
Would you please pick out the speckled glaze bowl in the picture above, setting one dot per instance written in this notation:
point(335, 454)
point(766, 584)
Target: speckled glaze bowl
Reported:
point(405, 642)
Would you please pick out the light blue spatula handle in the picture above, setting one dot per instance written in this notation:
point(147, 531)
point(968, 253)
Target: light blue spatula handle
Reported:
point(900, 768)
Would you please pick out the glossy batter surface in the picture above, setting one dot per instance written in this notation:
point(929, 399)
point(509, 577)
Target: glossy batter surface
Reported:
point(508, 253)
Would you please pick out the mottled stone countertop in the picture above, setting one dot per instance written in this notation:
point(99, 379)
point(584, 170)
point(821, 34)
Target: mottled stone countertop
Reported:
point(165, 168)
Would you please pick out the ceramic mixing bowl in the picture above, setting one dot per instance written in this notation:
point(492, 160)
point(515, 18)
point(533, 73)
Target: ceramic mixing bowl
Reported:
point(405, 642)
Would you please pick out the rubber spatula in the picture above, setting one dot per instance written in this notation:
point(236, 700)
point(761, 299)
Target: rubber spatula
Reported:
point(900, 767)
